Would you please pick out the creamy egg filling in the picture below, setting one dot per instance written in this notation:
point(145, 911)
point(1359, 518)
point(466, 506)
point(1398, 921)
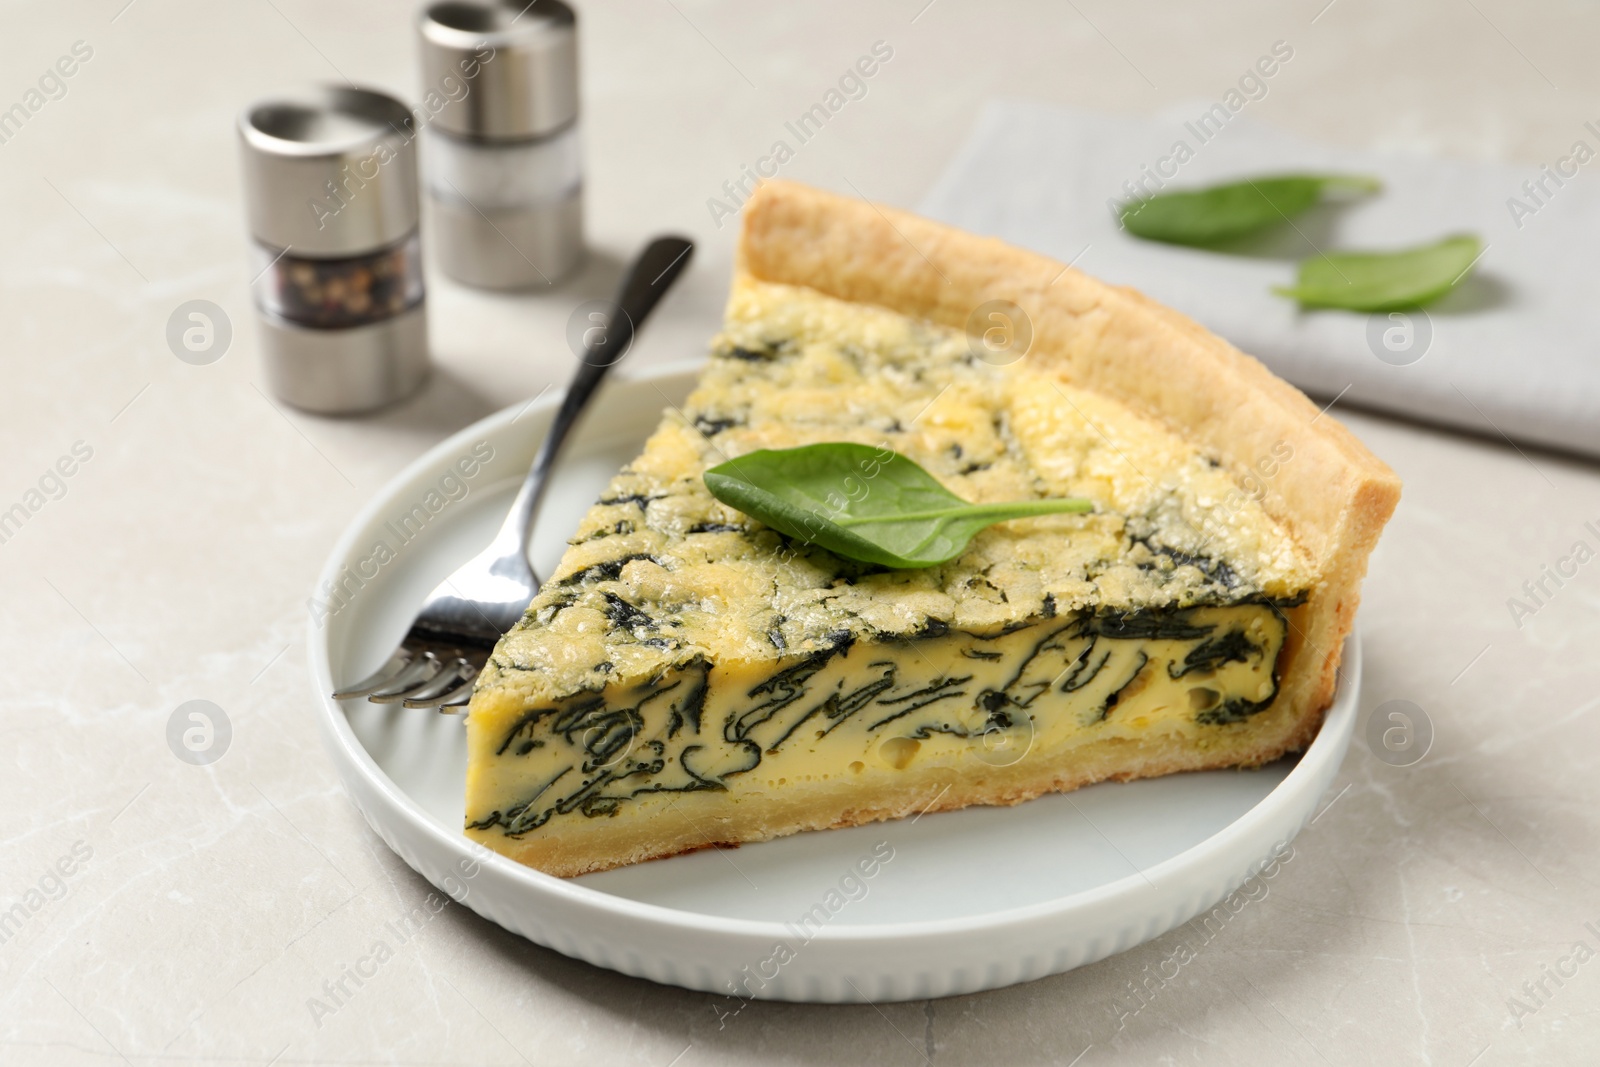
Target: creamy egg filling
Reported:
point(867, 711)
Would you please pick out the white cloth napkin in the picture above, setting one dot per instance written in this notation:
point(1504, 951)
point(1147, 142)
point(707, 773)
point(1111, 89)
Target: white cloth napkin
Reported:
point(1513, 352)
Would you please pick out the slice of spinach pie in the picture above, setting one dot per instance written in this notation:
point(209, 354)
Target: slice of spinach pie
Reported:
point(690, 677)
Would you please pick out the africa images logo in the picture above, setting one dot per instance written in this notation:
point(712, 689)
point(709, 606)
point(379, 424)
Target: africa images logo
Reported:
point(399, 530)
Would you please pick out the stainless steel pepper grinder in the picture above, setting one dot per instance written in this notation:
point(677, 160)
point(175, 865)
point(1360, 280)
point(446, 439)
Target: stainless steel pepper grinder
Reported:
point(330, 179)
point(501, 155)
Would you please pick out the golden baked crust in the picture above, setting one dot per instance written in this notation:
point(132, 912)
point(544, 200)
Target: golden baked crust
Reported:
point(1334, 496)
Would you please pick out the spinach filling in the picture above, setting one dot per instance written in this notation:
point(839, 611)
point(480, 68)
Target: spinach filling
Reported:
point(616, 757)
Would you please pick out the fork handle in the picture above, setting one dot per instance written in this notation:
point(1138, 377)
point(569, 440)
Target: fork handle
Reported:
point(647, 281)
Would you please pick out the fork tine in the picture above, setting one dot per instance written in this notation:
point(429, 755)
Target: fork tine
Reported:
point(408, 681)
point(447, 680)
point(391, 669)
point(456, 698)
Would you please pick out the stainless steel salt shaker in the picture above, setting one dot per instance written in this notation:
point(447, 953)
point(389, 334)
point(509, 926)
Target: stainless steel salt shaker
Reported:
point(330, 178)
point(501, 156)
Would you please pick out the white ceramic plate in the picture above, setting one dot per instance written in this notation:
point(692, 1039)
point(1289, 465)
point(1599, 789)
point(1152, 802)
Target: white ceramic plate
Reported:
point(969, 900)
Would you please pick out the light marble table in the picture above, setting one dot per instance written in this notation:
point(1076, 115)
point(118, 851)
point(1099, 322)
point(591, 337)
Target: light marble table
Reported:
point(206, 906)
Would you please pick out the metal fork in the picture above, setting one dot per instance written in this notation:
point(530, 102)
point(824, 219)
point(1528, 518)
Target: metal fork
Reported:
point(452, 636)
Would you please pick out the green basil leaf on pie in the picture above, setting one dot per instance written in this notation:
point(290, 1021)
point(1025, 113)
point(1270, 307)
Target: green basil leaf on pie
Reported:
point(871, 505)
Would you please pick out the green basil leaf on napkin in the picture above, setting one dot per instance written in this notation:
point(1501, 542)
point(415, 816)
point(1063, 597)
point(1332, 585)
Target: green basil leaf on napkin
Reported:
point(1223, 212)
point(871, 505)
point(1384, 281)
